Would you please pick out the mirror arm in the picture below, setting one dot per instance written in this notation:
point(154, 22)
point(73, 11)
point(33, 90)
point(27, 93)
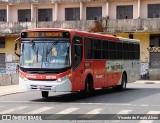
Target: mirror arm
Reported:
point(17, 54)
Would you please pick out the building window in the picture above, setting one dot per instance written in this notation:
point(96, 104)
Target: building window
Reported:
point(94, 13)
point(24, 15)
point(131, 36)
point(3, 15)
point(153, 10)
point(72, 13)
point(124, 12)
point(44, 14)
point(2, 42)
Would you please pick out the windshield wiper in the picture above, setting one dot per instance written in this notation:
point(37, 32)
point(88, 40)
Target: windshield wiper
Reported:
point(37, 54)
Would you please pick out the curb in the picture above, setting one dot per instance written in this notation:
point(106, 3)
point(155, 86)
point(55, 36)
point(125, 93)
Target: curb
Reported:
point(148, 82)
point(11, 93)
point(11, 89)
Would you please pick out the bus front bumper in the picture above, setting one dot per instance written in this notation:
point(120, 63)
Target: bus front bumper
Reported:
point(54, 86)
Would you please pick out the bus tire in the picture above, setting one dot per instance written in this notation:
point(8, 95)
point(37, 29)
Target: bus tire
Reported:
point(85, 93)
point(122, 86)
point(44, 94)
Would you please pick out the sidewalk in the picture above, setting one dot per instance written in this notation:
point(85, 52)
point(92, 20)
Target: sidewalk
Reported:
point(10, 89)
point(5, 90)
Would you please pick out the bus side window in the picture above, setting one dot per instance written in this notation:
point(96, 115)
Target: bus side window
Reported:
point(97, 48)
point(88, 48)
point(77, 51)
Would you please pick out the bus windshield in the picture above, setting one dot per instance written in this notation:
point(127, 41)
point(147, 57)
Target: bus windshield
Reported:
point(46, 54)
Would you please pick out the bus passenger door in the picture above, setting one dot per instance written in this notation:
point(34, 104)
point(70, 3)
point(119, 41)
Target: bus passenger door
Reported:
point(78, 67)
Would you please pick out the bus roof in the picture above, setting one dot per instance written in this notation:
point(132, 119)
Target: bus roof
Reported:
point(74, 31)
point(85, 33)
point(128, 40)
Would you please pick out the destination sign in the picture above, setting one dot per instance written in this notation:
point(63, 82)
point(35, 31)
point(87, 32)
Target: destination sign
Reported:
point(45, 34)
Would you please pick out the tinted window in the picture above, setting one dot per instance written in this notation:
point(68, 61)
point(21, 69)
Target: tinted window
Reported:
point(125, 51)
point(125, 12)
point(137, 51)
point(97, 48)
point(3, 15)
point(111, 50)
point(72, 13)
point(88, 45)
point(131, 51)
point(44, 14)
point(77, 51)
point(119, 50)
point(153, 10)
point(105, 49)
point(93, 13)
point(24, 15)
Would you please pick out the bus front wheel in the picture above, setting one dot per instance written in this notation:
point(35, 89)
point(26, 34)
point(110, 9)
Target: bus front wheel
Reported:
point(85, 92)
point(44, 94)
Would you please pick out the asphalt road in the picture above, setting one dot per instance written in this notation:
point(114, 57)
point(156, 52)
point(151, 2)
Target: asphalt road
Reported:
point(136, 99)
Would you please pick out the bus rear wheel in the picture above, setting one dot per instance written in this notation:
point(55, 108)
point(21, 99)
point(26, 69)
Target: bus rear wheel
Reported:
point(122, 86)
point(44, 94)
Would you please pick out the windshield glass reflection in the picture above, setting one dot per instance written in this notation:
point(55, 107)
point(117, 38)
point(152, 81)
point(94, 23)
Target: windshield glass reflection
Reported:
point(55, 54)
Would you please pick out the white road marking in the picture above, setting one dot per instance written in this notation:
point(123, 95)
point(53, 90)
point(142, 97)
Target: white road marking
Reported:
point(95, 111)
point(68, 110)
point(13, 110)
point(64, 112)
point(40, 110)
point(145, 105)
point(124, 112)
point(91, 113)
point(150, 121)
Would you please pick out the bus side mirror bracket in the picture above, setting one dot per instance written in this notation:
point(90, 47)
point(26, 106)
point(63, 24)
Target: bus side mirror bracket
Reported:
point(16, 45)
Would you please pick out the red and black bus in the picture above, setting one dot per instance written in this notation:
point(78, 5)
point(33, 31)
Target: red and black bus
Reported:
point(66, 60)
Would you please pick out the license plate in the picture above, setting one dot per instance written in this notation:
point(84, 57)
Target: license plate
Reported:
point(40, 86)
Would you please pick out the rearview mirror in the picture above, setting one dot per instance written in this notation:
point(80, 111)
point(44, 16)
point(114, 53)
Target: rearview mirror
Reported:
point(16, 46)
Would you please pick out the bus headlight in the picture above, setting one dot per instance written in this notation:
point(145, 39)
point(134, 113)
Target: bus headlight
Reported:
point(62, 79)
point(25, 79)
